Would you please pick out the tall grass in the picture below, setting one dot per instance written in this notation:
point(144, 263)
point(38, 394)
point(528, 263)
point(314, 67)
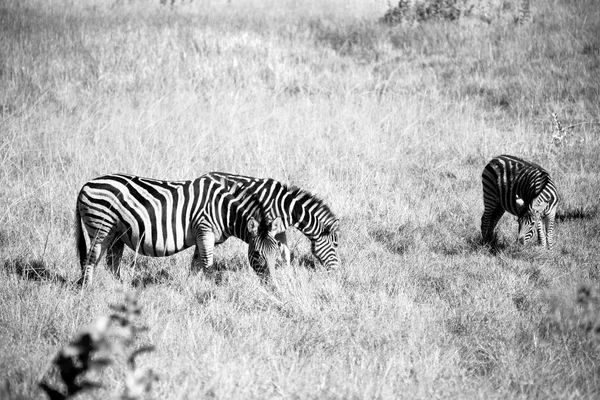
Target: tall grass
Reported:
point(390, 125)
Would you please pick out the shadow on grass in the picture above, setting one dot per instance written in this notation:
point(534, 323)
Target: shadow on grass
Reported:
point(148, 273)
point(222, 269)
point(307, 261)
point(396, 241)
point(147, 278)
point(219, 273)
point(494, 247)
point(515, 251)
point(405, 237)
point(32, 270)
point(463, 242)
point(575, 213)
point(458, 244)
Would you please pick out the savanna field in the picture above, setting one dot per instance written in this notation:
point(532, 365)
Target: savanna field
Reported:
point(390, 124)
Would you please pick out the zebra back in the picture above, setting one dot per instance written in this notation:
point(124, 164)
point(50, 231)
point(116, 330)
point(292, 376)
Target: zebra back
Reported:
point(523, 189)
point(160, 217)
point(514, 182)
point(297, 207)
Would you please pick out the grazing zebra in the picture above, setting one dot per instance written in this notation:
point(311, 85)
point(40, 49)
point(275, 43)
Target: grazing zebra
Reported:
point(160, 218)
point(297, 208)
point(523, 189)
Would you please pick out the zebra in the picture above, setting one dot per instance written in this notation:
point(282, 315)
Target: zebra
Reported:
point(297, 208)
point(523, 189)
point(160, 218)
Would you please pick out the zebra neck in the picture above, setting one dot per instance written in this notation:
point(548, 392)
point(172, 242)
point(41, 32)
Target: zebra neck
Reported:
point(307, 214)
point(531, 183)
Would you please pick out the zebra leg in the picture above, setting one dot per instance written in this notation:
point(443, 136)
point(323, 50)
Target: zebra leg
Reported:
point(203, 255)
point(496, 215)
point(541, 231)
point(283, 247)
point(285, 254)
point(549, 226)
point(113, 257)
point(489, 220)
point(485, 225)
point(92, 259)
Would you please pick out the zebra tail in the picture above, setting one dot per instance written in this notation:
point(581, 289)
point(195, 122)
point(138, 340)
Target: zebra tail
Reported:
point(79, 237)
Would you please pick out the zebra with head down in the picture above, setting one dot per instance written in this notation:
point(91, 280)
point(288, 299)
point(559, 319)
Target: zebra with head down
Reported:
point(159, 218)
point(297, 208)
point(523, 189)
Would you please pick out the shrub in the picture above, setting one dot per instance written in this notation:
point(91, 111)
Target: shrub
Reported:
point(94, 348)
point(449, 10)
point(452, 10)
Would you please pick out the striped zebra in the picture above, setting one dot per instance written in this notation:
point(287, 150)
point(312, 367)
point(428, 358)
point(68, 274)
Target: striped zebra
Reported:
point(160, 218)
point(297, 208)
point(523, 189)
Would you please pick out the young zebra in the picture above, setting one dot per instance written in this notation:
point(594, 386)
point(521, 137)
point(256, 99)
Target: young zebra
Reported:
point(523, 189)
point(297, 208)
point(159, 218)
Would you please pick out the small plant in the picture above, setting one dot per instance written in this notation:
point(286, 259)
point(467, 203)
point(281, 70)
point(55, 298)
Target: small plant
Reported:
point(559, 137)
point(563, 136)
point(92, 350)
point(564, 144)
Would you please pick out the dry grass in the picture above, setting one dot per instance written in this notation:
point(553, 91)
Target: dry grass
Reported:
point(391, 126)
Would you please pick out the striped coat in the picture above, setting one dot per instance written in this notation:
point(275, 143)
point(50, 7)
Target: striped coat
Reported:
point(297, 208)
point(525, 190)
point(159, 218)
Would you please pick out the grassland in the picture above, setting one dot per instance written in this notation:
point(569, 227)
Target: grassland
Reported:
point(391, 126)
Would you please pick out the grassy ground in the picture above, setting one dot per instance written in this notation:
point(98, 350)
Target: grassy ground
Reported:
point(391, 126)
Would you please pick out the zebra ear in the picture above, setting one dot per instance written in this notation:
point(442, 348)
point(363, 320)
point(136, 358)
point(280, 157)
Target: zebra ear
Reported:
point(253, 226)
point(276, 226)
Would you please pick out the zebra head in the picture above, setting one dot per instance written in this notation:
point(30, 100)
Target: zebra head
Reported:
point(530, 217)
point(527, 221)
point(325, 246)
point(263, 248)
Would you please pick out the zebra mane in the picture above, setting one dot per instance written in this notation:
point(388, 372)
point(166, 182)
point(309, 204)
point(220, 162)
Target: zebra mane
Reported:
point(244, 183)
point(239, 192)
point(298, 193)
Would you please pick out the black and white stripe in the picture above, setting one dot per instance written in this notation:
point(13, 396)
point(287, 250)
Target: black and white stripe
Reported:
point(297, 208)
point(523, 189)
point(159, 218)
